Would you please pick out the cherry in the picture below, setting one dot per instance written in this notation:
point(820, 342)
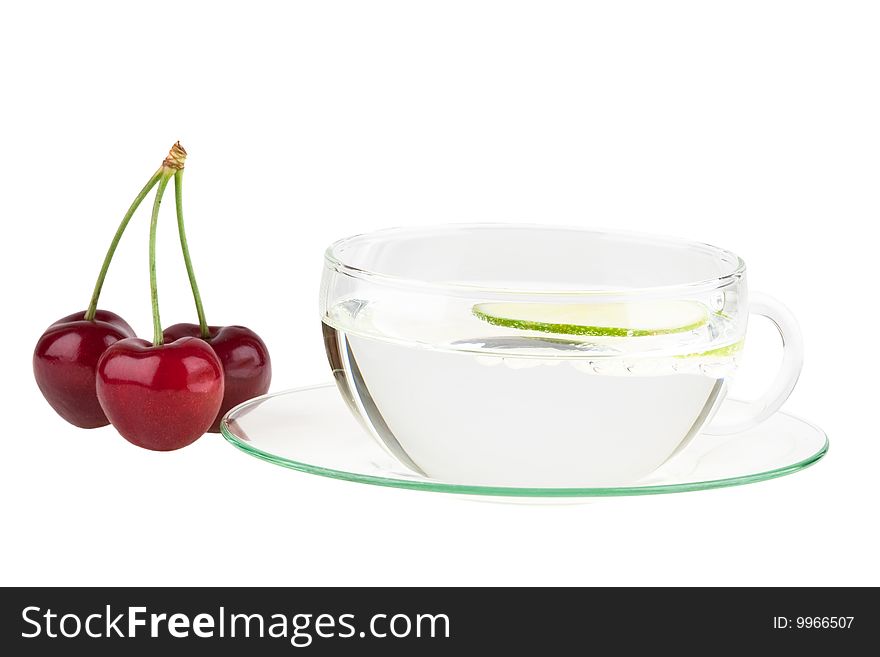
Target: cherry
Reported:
point(247, 369)
point(160, 397)
point(65, 360)
point(100, 316)
point(246, 365)
point(67, 352)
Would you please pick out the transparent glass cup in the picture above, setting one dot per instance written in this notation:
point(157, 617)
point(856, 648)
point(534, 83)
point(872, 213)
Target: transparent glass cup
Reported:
point(519, 355)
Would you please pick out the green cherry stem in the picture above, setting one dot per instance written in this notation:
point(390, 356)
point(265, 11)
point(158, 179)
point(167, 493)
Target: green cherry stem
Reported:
point(165, 175)
point(178, 197)
point(99, 284)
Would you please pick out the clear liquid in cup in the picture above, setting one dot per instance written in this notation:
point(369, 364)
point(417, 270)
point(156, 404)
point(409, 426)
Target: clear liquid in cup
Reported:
point(459, 399)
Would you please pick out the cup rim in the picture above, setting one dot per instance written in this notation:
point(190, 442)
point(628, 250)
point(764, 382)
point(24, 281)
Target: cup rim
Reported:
point(336, 263)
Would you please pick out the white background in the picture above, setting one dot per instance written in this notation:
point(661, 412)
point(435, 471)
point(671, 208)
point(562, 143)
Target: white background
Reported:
point(751, 125)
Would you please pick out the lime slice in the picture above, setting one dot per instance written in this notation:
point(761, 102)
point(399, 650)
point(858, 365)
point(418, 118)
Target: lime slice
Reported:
point(727, 350)
point(597, 319)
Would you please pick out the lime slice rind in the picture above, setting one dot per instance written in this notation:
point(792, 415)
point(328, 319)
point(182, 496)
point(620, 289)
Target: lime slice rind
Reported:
point(597, 320)
point(720, 352)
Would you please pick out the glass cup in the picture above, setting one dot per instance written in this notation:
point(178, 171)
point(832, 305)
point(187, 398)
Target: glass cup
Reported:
point(520, 355)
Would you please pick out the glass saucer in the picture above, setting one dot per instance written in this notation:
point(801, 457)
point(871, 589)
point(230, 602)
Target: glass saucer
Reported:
point(313, 431)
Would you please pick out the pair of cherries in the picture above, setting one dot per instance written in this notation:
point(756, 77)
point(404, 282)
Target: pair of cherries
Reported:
point(93, 369)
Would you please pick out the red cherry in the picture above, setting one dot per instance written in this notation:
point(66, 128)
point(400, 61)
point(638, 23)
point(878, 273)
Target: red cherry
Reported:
point(102, 316)
point(247, 369)
point(65, 360)
point(160, 397)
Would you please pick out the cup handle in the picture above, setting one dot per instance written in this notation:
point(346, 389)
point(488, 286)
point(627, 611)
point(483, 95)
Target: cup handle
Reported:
point(792, 361)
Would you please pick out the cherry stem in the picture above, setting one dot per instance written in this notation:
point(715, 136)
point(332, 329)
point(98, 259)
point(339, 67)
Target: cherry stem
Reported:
point(164, 176)
point(93, 304)
point(178, 197)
